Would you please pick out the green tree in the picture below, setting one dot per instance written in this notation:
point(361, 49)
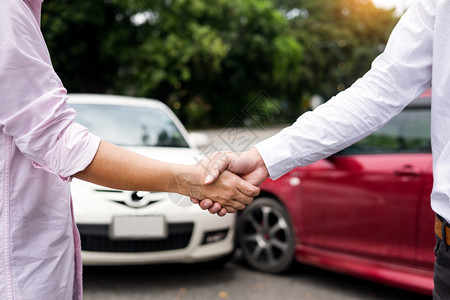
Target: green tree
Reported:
point(206, 59)
point(209, 58)
point(88, 42)
point(340, 37)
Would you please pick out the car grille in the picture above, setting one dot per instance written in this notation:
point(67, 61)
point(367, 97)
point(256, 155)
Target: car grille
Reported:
point(95, 238)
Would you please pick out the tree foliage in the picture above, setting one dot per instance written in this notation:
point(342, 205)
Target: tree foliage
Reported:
point(207, 59)
point(341, 39)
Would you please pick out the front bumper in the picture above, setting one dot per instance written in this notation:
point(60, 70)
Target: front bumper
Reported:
point(96, 207)
point(185, 243)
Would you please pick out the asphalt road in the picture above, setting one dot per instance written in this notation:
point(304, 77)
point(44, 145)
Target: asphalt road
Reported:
point(232, 281)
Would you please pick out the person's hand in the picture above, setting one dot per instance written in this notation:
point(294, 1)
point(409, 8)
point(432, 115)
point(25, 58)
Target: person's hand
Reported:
point(229, 191)
point(249, 165)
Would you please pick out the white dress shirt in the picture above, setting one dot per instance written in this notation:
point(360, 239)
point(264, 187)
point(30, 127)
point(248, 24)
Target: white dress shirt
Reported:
point(416, 57)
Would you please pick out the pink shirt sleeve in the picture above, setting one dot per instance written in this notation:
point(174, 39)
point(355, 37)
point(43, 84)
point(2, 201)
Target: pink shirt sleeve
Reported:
point(33, 100)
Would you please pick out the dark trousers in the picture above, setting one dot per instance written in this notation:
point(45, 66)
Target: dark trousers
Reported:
point(442, 269)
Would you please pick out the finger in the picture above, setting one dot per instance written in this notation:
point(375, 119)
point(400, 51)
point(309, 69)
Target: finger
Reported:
point(230, 209)
point(214, 168)
point(238, 203)
point(240, 200)
point(234, 197)
point(206, 203)
point(222, 212)
point(247, 188)
point(215, 208)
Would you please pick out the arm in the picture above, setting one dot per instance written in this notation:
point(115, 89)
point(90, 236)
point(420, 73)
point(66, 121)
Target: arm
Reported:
point(397, 76)
point(54, 142)
point(119, 168)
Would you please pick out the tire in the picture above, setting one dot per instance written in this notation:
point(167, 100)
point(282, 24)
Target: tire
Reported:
point(264, 234)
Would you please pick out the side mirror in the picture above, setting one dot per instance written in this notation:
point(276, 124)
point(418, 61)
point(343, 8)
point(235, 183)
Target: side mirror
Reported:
point(199, 139)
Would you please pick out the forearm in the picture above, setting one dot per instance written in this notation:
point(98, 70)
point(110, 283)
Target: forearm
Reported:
point(120, 168)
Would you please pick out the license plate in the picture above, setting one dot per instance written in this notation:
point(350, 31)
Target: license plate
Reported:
point(138, 227)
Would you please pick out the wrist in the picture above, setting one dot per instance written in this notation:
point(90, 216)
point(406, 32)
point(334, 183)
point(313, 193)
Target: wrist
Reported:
point(186, 180)
point(258, 159)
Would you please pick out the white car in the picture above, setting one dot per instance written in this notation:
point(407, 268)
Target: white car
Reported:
point(136, 227)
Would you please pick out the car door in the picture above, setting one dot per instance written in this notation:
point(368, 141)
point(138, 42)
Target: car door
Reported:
point(365, 200)
point(425, 226)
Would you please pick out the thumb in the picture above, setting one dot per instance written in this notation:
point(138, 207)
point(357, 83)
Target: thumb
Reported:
point(217, 165)
point(211, 177)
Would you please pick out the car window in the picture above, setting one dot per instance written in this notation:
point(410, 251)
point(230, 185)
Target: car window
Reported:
point(130, 126)
point(408, 132)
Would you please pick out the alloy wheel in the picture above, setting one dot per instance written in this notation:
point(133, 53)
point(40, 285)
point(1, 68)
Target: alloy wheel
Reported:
point(264, 233)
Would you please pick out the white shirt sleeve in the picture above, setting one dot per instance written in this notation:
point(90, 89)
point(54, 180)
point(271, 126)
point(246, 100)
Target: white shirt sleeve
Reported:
point(400, 74)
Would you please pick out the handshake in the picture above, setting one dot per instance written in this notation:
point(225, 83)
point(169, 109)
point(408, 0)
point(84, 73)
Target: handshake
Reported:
point(223, 183)
point(231, 181)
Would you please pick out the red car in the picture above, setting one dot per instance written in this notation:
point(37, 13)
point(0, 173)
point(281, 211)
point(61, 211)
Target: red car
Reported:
point(364, 211)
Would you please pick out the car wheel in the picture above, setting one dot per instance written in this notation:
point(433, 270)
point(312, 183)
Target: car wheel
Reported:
point(264, 234)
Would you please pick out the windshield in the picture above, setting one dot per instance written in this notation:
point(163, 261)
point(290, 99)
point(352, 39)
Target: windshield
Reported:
point(408, 132)
point(130, 126)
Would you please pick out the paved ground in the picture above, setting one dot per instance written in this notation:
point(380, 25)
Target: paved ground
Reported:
point(232, 282)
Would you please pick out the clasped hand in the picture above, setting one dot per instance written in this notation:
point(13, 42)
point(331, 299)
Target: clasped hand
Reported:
point(248, 165)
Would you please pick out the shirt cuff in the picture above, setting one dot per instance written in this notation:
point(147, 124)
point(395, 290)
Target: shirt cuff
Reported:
point(73, 152)
point(276, 154)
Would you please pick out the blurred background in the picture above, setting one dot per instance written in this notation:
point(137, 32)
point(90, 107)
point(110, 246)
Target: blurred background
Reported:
point(206, 59)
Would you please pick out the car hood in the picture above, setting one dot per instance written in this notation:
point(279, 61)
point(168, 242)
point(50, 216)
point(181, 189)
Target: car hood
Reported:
point(187, 156)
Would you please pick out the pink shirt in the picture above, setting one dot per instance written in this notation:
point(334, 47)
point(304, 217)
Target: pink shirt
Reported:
point(40, 148)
